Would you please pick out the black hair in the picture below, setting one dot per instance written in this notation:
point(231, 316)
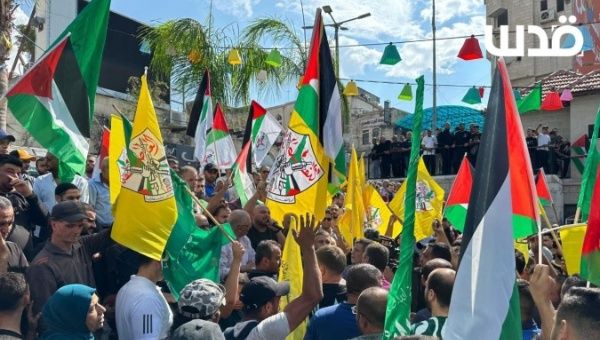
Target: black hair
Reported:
point(432, 265)
point(9, 159)
point(440, 250)
point(579, 308)
point(64, 187)
point(526, 300)
point(265, 249)
point(362, 276)
point(13, 287)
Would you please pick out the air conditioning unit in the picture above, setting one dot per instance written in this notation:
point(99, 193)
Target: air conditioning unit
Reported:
point(547, 15)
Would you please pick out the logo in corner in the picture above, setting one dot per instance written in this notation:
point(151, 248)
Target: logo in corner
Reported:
point(295, 169)
point(148, 171)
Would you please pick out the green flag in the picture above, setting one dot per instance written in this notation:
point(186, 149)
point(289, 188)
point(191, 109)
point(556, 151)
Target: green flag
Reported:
point(191, 253)
point(397, 315)
point(54, 100)
point(589, 173)
point(532, 102)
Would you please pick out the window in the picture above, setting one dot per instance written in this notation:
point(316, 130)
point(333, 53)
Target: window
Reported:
point(502, 18)
point(365, 137)
point(560, 5)
point(543, 5)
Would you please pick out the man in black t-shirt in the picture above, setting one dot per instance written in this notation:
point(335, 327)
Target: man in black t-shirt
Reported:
point(531, 141)
point(445, 141)
point(474, 144)
point(263, 227)
point(405, 149)
point(396, 158)
point(332, 262)
point(461, 144)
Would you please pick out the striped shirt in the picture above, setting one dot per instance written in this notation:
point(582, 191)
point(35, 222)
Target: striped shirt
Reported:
point(432, 326)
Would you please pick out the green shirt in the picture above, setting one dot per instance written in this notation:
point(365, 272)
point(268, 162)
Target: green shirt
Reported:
point(432, 326)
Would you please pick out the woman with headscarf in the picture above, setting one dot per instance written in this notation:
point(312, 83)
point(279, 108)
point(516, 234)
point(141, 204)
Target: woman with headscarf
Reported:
point(73, 312)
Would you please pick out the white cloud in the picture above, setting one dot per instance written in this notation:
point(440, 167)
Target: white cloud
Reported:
point(448, 9)
point(237, 8)
point(355, 59)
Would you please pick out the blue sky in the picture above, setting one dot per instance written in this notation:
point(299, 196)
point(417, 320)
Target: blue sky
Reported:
point(390, 20)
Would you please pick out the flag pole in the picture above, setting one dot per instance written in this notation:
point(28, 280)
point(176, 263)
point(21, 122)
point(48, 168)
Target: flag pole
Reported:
point(208, 214)
point(554, 236)
point(577, 214)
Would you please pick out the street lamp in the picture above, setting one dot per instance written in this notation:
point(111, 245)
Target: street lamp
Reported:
point(337, 26)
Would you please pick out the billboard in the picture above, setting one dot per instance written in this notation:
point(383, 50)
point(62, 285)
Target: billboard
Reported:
point(587, 13)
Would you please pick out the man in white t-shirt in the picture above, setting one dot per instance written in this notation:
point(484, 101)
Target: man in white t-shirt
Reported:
point(262, 318)
point(543, 152)
point(428, 144)
point(141, 309)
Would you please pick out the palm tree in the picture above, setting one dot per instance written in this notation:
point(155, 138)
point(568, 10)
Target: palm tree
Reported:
point(7, 8)
point(182, 49)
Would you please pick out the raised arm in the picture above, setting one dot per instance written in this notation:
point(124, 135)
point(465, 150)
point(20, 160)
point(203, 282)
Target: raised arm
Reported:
point(540, 285)
point(232, 282)
point(312, 292)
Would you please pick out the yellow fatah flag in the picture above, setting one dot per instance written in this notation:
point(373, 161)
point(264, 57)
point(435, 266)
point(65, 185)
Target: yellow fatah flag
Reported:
point(351, 224)
point(362, 172)
point(145, 210)
point(572, 242)
point(298, 179)
point(291, 271)
point(429, 202)
point(378, 213)
point(116, 148)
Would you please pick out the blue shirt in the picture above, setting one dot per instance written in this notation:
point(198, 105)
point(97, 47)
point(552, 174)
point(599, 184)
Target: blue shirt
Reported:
point(334, 322)
point(100, 200)
point(530, 330)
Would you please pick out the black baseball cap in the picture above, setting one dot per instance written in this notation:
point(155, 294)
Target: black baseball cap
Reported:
point(260, 290)
point(211, 167)
point(4, 135)
point(69, 211)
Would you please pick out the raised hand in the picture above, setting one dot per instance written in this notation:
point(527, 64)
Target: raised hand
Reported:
point(238, 250)
point(305, 237)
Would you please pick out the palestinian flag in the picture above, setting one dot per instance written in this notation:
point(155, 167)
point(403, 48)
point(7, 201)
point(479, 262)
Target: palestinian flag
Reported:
point(201, 117)
point(588, 179)
point(590, 253)
point(458, 198)
point(54, 100)
point(103, 151)
point(541, 187)
point(220, 149)
point(262, 129)
point(485, 306)
point(299, 174)
point(241, 178)
point(579, 148)
point(330, 120)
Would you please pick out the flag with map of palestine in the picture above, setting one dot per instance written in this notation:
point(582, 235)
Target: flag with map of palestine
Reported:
point(298, 178)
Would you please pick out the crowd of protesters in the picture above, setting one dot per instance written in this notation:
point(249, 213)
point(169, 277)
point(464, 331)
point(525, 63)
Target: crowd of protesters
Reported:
point(62, 277)
point(444, 149)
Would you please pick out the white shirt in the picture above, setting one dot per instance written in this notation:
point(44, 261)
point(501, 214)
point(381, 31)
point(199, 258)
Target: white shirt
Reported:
point(271, 328)
point(543, 139)
point(142, 312)
point(429, 142)
point(227, 256)
point(44, 186)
